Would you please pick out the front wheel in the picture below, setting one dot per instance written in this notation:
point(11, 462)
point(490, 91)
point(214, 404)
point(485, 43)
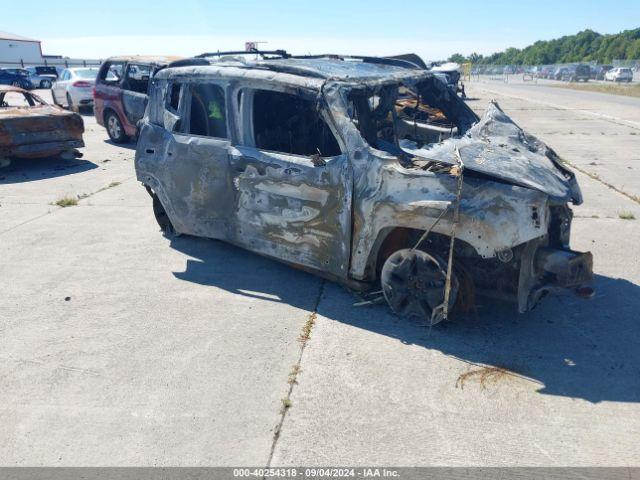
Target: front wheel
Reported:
point(114, 128)
point(45, 84)
point(413, 283)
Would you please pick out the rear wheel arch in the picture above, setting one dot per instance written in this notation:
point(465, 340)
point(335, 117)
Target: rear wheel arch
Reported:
point(108, 110)
point(123, 137)
point(160, 212)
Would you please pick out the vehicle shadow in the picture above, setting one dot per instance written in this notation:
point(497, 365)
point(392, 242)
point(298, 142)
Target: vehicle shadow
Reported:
point(570, 347)
point(33, 169)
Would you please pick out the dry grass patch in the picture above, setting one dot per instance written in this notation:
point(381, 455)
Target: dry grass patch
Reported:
point(627, 90)
point(308, 326)
point(66, 201)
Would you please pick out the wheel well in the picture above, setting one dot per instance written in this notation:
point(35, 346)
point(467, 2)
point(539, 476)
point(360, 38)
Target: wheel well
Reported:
point(107, 111)
point(393, 239)
point(437, 245)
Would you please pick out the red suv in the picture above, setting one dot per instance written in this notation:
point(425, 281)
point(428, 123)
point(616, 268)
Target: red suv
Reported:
point(120, 94)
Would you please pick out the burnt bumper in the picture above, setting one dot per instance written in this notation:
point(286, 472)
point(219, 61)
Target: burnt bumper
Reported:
point(39, 150)
point(544, 270)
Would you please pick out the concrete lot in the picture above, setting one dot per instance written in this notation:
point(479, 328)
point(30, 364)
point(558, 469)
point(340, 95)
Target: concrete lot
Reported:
point(120, 347)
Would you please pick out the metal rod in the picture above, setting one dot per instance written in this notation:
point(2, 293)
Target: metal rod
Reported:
point(454, 224)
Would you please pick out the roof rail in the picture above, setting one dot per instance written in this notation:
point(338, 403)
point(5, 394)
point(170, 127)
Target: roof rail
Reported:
point(188, 62)
point(394, 61)
point(262, 53)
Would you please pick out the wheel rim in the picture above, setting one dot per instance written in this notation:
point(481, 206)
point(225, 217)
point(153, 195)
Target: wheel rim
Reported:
point(413, 283)
point(113, 125)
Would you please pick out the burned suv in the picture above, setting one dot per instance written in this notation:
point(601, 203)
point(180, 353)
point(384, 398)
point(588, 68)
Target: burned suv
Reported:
point(362, 172)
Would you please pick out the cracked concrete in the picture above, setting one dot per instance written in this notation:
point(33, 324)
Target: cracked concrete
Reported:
point(120, 347)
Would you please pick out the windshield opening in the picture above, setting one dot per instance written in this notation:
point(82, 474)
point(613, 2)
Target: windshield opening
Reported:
point(19, 100)
point(422, 113)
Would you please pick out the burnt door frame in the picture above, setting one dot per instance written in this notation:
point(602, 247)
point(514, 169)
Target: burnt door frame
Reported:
point(134, 102)
point(286, 206)
point(191, 172)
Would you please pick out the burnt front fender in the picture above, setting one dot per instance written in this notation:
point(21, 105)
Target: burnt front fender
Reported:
point(493, 216)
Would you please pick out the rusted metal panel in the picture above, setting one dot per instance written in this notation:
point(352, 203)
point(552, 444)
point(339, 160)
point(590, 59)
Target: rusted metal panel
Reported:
point(37, 130)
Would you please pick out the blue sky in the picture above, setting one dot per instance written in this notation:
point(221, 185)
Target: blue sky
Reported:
point(99, 28)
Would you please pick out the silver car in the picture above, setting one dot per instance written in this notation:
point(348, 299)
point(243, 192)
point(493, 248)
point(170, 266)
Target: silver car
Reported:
point(74, 88)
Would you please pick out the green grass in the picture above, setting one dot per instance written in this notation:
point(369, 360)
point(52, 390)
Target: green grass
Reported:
point(626, 216)
point(628, 90)
point(286, 404)
point(66, 202)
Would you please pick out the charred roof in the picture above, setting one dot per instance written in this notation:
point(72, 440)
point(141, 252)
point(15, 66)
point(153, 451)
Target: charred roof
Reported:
point(321, 67)
point(153, 59)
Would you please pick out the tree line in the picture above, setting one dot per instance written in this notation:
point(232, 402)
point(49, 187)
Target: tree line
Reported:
point(585, 46)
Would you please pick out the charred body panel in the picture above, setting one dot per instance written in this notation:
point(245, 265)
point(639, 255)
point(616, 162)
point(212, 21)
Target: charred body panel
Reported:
point(30, 128)
point(390, 182)
point(277, 204)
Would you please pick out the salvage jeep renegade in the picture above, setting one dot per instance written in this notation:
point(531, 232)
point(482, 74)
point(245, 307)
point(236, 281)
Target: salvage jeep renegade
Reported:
point(362, 171)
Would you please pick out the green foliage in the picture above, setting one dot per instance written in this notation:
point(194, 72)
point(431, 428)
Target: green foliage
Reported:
point(583, 47)
point(457, 58)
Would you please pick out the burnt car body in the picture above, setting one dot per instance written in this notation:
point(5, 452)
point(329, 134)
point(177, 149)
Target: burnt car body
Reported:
point(120, 93)
point(31, 128)
point(361, 172)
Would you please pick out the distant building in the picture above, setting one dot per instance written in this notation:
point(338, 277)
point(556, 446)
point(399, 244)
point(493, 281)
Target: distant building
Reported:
point(15, 49)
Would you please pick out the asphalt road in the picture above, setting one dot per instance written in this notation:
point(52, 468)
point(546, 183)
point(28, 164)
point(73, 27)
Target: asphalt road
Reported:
point(120, 347)
point(595, 132)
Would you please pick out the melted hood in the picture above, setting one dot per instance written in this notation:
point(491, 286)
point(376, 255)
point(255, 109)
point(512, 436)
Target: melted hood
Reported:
point(497, 147)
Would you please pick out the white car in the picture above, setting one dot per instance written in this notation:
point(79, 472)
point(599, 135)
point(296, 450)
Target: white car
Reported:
point(74, 88)
point(619, 75)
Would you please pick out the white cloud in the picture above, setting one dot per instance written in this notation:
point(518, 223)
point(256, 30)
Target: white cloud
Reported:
point(186, 45)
